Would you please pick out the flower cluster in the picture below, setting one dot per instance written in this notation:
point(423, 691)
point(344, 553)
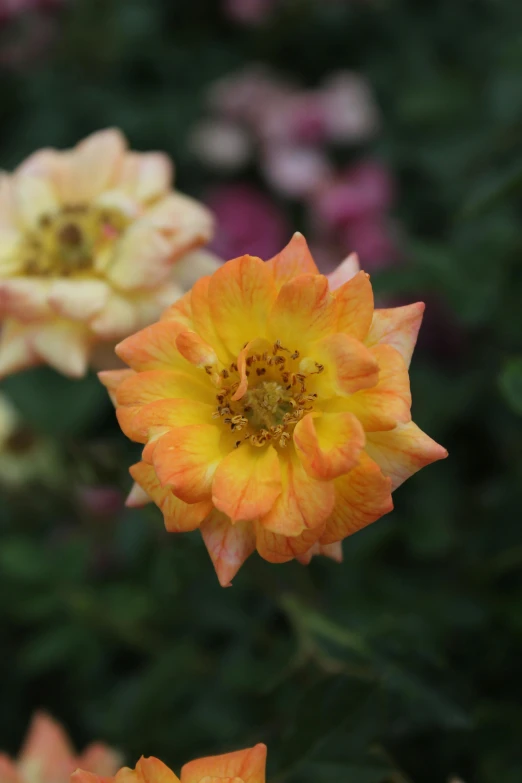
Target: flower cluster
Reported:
point(47, 756)
point(90, 247)
point(289, 131)
point(274, 409)
point(241, 766)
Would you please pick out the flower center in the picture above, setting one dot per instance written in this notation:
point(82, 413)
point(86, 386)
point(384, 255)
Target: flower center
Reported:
point(68, 242)
point(276, 398)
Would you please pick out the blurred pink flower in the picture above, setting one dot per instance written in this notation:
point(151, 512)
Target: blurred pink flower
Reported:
point(294, 118)
point(364, 188)
point(247, 222)
point(221, 144)
point(247, 96)
point(348, 110)
point(250, 12)
point(296, 172)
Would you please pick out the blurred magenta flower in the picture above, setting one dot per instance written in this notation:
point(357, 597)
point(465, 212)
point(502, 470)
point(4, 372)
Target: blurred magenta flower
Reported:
point(372, 238)
point(10, 8)
point(247, 222)
point(364, 188)
point(249, 12)
point(100, 500)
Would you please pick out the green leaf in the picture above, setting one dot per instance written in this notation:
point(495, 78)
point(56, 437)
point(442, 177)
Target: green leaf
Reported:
point(510, 383)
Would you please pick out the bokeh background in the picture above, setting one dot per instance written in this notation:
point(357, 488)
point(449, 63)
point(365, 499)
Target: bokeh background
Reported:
point(390, 127)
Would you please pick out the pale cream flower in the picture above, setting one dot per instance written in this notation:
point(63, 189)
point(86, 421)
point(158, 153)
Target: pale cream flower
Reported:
point(89, 244)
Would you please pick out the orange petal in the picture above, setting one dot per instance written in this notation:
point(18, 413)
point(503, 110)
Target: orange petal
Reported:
point(179, 516)
point(247, 765)
point(247, 482)
point(47, 749)
point(8, 770)
point(195, 350)
point(304, 311)
point(361, 497)
point(398, 327)
point(303, 503)
point(403, 451)
point(202, 318)
point(186, 459)
point(349, 366)
point(154, 348)
point(101, 759)
point(328, 445)
point(333, 551)
point(295, 259)
point(355, 306)
point(152, 770)
point(82, 776)
point(344, 272)
point(141, 388)
point(180, 311)
point(240, 295)
point(280, 549)
point(228, 545)
point(112, 380)
point(388, 403)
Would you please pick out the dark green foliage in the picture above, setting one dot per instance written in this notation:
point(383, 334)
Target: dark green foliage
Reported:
point(402, 664)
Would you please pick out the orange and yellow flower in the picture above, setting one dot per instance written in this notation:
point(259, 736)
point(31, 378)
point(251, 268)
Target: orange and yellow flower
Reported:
point(241, 766)
point(48, 757)
point(89, 240)
point(274, 409)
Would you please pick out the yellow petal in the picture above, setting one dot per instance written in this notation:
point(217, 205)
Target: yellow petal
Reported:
point(170, 413)
point(79, 300)
point(65, 346)
point(91, 167)
point(388, 403)
point(355, 306)
point(247, 765)
point(361, 497)
point(348, 366)
point(403, 451)
point(303, 503)
point(179, 517)
point(240, 295)
point(398, 327)
point(304, 312)
point(141, 388)
point(328, 445)
point(142, 258)
point(295, 259)
point(247, 482)
point(33, 198)
point(11, 262)
point(146, 176)
point(186, 459)
point(25, 298)
point(228, 545)
point(16, 350)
